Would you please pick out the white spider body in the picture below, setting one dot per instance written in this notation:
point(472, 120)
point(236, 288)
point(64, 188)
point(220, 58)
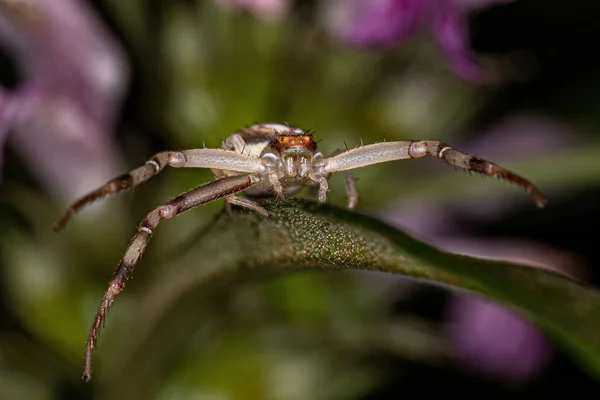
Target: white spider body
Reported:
point(288, 154)
point(261, 160)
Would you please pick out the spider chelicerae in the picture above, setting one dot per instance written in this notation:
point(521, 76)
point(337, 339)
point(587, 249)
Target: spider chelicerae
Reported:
point(264, 159)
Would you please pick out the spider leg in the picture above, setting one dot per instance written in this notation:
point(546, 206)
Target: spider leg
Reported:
point(351, 192)
point(390, 151)
point(277, 187)
point(194, 158)
point(323, 186)
point(312, 191)
point(246, 203)
point(195, 197)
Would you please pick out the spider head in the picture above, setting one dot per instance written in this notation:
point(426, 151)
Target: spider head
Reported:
point(296, 149)
point(294, 142)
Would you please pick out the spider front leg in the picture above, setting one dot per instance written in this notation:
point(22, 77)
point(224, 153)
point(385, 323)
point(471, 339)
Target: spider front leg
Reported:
point(321, 192)
point(194, 158)
point(391, 151)
point(351, 192)
point(245, 203)
point(195, 197)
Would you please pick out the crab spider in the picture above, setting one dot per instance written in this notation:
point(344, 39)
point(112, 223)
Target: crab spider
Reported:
point(261, 160)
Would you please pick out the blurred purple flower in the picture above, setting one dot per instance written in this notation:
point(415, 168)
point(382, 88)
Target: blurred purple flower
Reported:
point(489, 337)
point(4, 115)
point(384, 23)
point(61, 116)
point(495, 341)
point(271, 10)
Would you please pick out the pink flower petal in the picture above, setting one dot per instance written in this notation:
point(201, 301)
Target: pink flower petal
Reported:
point(63, 116)
point(449, 29)
point(494, 340)
point(383, 22)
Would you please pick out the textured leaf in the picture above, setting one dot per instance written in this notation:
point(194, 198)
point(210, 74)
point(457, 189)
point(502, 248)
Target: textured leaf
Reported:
point(304, 235)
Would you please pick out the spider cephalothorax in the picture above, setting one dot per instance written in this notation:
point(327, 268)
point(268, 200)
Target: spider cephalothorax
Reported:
point(296, 152)
point(295, 140)
point(261, 160)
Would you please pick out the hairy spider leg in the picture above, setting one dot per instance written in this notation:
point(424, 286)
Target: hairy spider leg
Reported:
point(194, 158)
point(246, 203)
point(201, 195)
point(351, 192)
point(391, 151)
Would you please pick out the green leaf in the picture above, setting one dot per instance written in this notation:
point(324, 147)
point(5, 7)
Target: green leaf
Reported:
point(305, 235)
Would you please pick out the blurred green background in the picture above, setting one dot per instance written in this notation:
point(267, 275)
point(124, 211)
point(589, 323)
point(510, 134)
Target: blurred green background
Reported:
point(200, 71)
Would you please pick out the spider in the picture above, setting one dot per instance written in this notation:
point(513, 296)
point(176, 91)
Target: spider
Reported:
point(260, 160)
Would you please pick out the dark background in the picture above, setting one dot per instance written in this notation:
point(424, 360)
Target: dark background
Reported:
point(199, 72)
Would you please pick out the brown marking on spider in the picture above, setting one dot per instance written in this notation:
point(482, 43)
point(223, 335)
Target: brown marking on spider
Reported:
point(490, 169)
point(261, 160)
point(284, 142)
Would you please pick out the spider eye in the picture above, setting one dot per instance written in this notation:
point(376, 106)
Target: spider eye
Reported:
point(302, 141)
point(282, 140)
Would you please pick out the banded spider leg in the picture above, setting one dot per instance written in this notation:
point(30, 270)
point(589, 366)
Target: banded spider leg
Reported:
point(251, 169)
point(201, 195)
point(391, 151)
point(194, 158)
point(351, 192)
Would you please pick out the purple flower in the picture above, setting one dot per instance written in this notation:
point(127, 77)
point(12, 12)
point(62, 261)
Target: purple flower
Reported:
point(384, 23)
point(4, 116)
point(495, 341)
point(60, 119)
